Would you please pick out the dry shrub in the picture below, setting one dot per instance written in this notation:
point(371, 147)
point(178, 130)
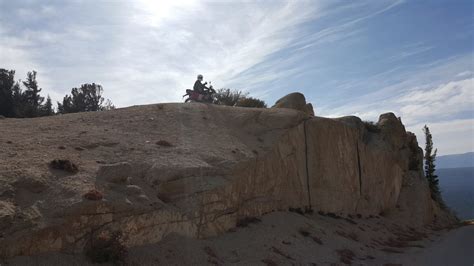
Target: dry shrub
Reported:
point(281, 253)
point(93, 195)
point(64, 165)
point(391, 250)
point(251, 102)
point(210, 252)
point(345, 255)
point(296, 210)
point(107, 248)
point(371, 126)
point(352, 235)
point(269, 262)
point(244, 222)
point(317, 240)
point(163, 143)
point(303, 232)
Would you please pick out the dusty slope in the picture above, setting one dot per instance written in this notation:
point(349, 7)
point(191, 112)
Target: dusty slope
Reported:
point(293, 239)
point(197, 170)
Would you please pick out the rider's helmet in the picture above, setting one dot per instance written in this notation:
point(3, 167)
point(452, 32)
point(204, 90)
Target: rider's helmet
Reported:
point(199, 77)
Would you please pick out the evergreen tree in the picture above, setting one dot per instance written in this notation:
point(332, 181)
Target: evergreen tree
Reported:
point(47, 108)
point(84, 99)
point(430, 167)
point(108, 105)
point(7, 83)
point(19, 101)
point(32, 96)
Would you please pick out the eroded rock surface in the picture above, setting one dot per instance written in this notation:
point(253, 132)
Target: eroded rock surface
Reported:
point(222, 164)
point(295, 101)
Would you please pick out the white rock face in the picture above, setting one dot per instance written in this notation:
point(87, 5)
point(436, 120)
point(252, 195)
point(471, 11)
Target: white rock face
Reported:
point(193, 169)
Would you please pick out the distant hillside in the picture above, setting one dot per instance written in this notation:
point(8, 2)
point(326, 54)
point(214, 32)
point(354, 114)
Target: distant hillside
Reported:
point(457, 187)
point(455, 160)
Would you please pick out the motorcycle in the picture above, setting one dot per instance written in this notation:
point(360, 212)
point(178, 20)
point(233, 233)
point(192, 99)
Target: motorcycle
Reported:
point(206, 96)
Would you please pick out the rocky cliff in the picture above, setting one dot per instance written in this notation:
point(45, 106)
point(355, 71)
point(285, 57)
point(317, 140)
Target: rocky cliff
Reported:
point(197, 170)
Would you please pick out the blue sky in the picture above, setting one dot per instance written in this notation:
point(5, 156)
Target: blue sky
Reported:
point(414, 58)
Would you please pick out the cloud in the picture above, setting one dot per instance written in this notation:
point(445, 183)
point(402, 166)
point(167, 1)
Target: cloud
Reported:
point(435, 96)
point(449, 137)
point(465, 74)
point(146, 51)
point(441, 102)
point(345, 28)
point(149, 51)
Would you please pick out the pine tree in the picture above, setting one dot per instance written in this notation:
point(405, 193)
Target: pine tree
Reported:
point(7, 83)
point(430, 166)
point(47, 108)
point(32, 97)
point(18, 101)
point(87, 98)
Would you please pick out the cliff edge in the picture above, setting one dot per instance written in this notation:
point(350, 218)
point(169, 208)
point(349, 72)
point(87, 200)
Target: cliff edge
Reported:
point(198, 170)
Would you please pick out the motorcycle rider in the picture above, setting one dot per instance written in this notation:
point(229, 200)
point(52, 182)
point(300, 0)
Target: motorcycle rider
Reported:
point(199, 87)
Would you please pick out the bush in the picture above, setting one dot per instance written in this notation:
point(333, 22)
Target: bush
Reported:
point(237, 98)
point(371, 126)
point(251, 102)
point(244, 222)
point(107, 248)
point(65, 165)
point(229, 97)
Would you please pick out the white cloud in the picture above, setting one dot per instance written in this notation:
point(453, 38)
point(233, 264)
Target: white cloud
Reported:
point(155, 48)
point(449, 137)
point(465, 74)
point(440, 102)
point(435, 96)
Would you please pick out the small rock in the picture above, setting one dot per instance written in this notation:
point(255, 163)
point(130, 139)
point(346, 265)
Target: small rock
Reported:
point(143, 198)
point(163, 143)
point(93, 195)
point(134, 190)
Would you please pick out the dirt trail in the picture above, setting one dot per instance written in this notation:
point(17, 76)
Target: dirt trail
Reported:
point(455, 247)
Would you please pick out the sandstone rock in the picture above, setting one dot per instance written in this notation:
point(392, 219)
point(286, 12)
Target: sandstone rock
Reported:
point(198, 187)
point(7, 213)
point(393, 130)
point(115, 173)
point(295, 101)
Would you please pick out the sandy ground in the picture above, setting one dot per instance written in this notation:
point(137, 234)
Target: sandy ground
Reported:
point(286, 238)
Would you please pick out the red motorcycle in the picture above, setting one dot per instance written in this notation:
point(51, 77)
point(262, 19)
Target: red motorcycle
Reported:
point(206, 96)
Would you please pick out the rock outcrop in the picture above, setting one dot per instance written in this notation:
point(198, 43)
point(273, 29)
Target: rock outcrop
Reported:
point(295, 101)
point(219, 165)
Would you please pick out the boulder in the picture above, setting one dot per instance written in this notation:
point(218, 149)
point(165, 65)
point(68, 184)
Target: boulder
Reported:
point(392, 130)
point(295, 101)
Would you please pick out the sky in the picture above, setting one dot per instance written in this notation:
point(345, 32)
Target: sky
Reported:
point(414, 58)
